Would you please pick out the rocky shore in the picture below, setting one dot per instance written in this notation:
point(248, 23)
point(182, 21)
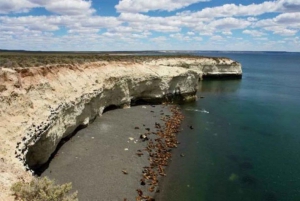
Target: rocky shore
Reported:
point(42, 105)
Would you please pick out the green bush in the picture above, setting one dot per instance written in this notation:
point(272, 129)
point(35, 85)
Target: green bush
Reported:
point(42, 189)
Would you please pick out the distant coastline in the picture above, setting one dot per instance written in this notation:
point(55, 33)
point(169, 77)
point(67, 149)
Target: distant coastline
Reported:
point(142, 51)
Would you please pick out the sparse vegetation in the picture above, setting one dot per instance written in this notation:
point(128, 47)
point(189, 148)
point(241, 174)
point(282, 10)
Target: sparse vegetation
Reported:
point(42, 189)
point(13, 59)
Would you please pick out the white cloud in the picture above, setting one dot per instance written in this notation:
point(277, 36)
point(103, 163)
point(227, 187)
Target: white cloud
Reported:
point(137, 6)
point(227, 33)
point(53, 23)
point(285, 24)
point(229, 24)
point(69, 7)
point(159, 39)
point(82, 28)
point(288, 18)
point(160, 28)
point(40, 2)
point(282, 31)
point(280, 41)
point(181, 37)
point(216, 38)
point(122, 29)
point(261, 38)
point(98, 22)
point(205, 30)
point(143, 22)
point(288, 5)
point(146, 23)
point(130, 17)
point(230, 10)
point(254, 33)
point(291, 20)
point(40, 23)
point(63, 7)
point(197, 38)
point(16, 6)
point(265, 23)
point(252, 19)
point(140, 35)
point(251, 10)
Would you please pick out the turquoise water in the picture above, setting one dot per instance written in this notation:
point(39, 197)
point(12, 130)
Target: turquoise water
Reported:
point(245, 145)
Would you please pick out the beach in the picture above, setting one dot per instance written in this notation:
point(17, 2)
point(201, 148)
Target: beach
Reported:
point(102, 160)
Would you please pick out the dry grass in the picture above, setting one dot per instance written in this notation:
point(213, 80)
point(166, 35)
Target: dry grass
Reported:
point(36, 59)
point(42, 189)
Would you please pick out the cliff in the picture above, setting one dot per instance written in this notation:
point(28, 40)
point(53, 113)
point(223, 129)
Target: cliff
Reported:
point(41, 105)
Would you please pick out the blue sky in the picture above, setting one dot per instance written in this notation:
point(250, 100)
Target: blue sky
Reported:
point(101, 25)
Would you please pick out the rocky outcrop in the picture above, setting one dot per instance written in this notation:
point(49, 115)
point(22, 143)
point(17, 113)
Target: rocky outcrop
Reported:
point(41, 105)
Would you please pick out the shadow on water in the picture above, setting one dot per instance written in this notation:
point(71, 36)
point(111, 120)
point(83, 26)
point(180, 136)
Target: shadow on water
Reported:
point(219, 86)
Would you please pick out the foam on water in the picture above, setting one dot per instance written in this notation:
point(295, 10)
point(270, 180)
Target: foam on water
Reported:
point(197, 110)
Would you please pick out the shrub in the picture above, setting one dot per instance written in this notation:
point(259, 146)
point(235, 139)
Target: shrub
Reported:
point(43, 189)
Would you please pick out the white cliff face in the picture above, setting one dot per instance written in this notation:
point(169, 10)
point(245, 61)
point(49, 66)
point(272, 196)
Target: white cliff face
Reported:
point(118, 91)
point(205, 67)
point(40, 106)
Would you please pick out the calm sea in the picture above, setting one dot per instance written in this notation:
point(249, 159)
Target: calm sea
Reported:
point(245, 145)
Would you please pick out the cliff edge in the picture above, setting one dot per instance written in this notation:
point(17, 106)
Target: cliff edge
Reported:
point(41, 105)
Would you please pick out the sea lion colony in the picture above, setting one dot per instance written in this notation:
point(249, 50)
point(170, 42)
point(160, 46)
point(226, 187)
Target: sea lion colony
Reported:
point(159, 152)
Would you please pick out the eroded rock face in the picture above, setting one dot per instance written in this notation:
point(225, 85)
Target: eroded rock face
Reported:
point(40, 106)
point(64, 119)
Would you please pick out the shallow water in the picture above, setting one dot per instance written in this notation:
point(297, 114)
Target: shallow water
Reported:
point(245, 141)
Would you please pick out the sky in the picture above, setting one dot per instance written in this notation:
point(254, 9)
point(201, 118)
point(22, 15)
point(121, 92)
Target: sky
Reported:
point(112, 25)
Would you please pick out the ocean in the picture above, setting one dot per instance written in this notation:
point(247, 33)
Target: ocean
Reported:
point(245, 145)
